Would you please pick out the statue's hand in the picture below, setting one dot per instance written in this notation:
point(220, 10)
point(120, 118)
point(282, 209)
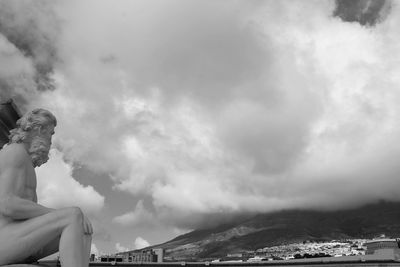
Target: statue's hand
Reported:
point(87, 226)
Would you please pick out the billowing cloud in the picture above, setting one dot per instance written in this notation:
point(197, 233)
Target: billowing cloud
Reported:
point(139, 217)
point(141, 243)
point(208, 110)
point(57, 188)
point(272, 141)
point(120, 248)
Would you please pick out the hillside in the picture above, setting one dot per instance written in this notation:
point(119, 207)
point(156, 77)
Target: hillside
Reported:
point(286, 227)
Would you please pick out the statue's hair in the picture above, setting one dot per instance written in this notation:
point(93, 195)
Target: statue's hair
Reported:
point(30, 121)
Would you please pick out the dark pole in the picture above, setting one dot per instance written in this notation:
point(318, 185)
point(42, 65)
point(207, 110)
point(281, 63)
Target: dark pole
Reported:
point(9, 114)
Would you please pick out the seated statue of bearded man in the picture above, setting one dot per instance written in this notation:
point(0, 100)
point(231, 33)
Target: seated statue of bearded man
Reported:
point(28, 230)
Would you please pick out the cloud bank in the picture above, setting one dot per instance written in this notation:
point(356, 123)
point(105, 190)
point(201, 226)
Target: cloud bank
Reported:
point(208, 109)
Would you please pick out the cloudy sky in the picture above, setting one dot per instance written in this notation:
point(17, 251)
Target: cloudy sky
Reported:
point(180, 114)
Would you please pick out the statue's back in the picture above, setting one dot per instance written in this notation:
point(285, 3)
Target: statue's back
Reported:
point(9, 114)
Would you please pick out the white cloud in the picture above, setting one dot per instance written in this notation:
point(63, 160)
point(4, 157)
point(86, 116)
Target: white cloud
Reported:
point(57, 188)
point(141, 243)
point(120, 248)
point(139, 217)
point(94, 250)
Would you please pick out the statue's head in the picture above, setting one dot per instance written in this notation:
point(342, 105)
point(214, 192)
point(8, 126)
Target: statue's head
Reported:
point(35, 130)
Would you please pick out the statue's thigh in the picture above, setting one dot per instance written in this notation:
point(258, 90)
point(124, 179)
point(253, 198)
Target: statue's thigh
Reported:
point(16, 252)
point(8, 253)
point(49, 249)
point(21, 240)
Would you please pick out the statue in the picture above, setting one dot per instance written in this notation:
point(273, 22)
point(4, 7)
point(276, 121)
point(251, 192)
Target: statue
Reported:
point(28, 230)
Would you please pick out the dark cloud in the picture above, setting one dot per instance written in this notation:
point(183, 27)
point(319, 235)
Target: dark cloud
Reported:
point(7, 92)
point(365, 12)
point(16, 75)
point(32, 27)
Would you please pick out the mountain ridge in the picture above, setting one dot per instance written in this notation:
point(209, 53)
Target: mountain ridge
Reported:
point(284, 227)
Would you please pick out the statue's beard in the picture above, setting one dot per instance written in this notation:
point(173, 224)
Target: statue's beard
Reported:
point(39, 151)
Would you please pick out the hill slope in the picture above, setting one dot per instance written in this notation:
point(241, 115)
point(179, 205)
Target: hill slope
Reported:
point(286, 227)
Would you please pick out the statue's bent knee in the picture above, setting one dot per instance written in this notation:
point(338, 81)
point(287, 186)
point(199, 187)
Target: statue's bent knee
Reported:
point(74, 213)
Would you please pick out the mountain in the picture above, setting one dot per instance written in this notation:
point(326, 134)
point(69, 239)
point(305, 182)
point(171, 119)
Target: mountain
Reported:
point(285, 227)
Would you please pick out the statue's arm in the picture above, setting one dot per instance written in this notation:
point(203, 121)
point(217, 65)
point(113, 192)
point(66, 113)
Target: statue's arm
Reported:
point(19, 209)
point(12, 182)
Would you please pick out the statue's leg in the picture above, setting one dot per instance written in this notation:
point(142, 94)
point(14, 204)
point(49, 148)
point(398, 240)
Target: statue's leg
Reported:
point(87, 244)
point(53, 247)
point(47, 250)
point(26, 238)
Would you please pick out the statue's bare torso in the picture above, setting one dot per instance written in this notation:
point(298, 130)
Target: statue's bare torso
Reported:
point(25, 184)
point(18, 182)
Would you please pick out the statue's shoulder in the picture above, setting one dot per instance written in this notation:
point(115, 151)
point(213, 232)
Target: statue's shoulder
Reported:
point(14, 154)
point(14, 149)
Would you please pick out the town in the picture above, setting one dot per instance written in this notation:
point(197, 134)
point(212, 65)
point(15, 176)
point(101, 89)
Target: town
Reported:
point(343, 249)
